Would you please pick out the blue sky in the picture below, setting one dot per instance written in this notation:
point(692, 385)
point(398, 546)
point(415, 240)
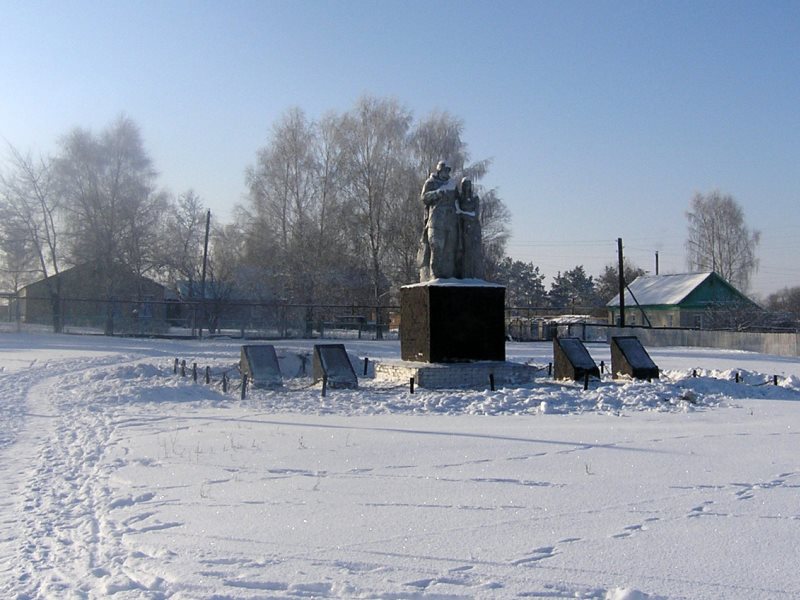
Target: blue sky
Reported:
point(602, 118)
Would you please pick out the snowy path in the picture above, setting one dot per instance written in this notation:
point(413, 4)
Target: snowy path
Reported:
point(53, 484)
point(120, 480)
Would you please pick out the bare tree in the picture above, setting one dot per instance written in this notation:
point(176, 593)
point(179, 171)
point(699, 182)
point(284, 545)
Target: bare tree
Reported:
point(376, 138)
point(110, 203)
point(28, 209)
point(18, 263)
point(718, 239)
point(183, 233)
point(295, 205)
point(495, 218)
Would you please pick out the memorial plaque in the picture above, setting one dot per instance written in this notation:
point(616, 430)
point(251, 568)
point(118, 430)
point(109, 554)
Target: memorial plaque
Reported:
point(571, 360)
point(628, 357)
point(260, 364)
point(452, 323)
point(331, 361)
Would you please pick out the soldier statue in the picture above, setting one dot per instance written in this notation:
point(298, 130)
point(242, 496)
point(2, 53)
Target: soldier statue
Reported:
point(437, 254)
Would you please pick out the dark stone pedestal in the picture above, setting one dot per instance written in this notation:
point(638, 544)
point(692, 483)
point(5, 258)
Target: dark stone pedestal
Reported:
point(452, 322)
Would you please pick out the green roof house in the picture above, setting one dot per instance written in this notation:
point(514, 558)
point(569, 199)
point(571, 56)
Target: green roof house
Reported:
point(695, 300)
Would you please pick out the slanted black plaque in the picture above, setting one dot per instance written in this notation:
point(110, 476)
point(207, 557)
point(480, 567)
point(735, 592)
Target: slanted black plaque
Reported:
point(260, 364)
point(452, 323)
point(628, 357)
point(571, 359)
point(331, 361)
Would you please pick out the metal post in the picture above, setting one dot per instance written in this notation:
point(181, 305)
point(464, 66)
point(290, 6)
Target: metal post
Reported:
point(324, 385)
point(244, 386)
point(366, 364)
point(203, 276)
point(194, 372)
point(208, 375)
point(411, 382)
point(585, 381)
point(491, 381)
point(621, 284)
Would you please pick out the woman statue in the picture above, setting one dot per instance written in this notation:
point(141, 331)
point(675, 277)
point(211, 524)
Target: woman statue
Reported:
point(469, 261)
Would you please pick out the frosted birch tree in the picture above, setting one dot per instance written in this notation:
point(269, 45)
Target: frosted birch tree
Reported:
point(111, 207)
point(29, 205)
point(718, 239)
point(375, 138)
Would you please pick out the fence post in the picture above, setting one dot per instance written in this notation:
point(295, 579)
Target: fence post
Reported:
point(602, 367)
point(244, 386)
point(183, 368)
point(411, 382)
point(366, 364)
point(324, 385)
point(224, 383)
point(491, 381)
point(775, 379)
point(208, 375)
point(175, 367)
point(585, 381)
point(194, 372)
point(549, 369)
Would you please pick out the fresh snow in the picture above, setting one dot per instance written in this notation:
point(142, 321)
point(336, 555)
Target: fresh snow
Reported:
point(119, 479)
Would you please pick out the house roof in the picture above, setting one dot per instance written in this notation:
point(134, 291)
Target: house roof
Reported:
point(87, 271)
point(652, 290)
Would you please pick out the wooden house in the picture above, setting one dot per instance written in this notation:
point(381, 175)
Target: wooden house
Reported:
point(689, 300)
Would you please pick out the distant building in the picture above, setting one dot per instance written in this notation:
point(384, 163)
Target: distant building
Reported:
point(693, 300)
point(136, 305)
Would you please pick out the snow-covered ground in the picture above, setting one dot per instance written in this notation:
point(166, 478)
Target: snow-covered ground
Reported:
point(119, 479)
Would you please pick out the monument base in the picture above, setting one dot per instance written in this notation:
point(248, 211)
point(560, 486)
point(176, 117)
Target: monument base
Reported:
point(452, 320)
point(458, 375)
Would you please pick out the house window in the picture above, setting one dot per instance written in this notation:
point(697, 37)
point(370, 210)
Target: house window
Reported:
point(698, 321)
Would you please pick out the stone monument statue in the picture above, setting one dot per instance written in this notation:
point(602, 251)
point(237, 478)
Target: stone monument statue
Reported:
point(451, 238)
point(439, 244)
point(469, 259)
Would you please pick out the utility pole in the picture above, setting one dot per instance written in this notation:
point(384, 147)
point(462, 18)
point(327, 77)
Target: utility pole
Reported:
point(203, 276)
point(621, 284)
